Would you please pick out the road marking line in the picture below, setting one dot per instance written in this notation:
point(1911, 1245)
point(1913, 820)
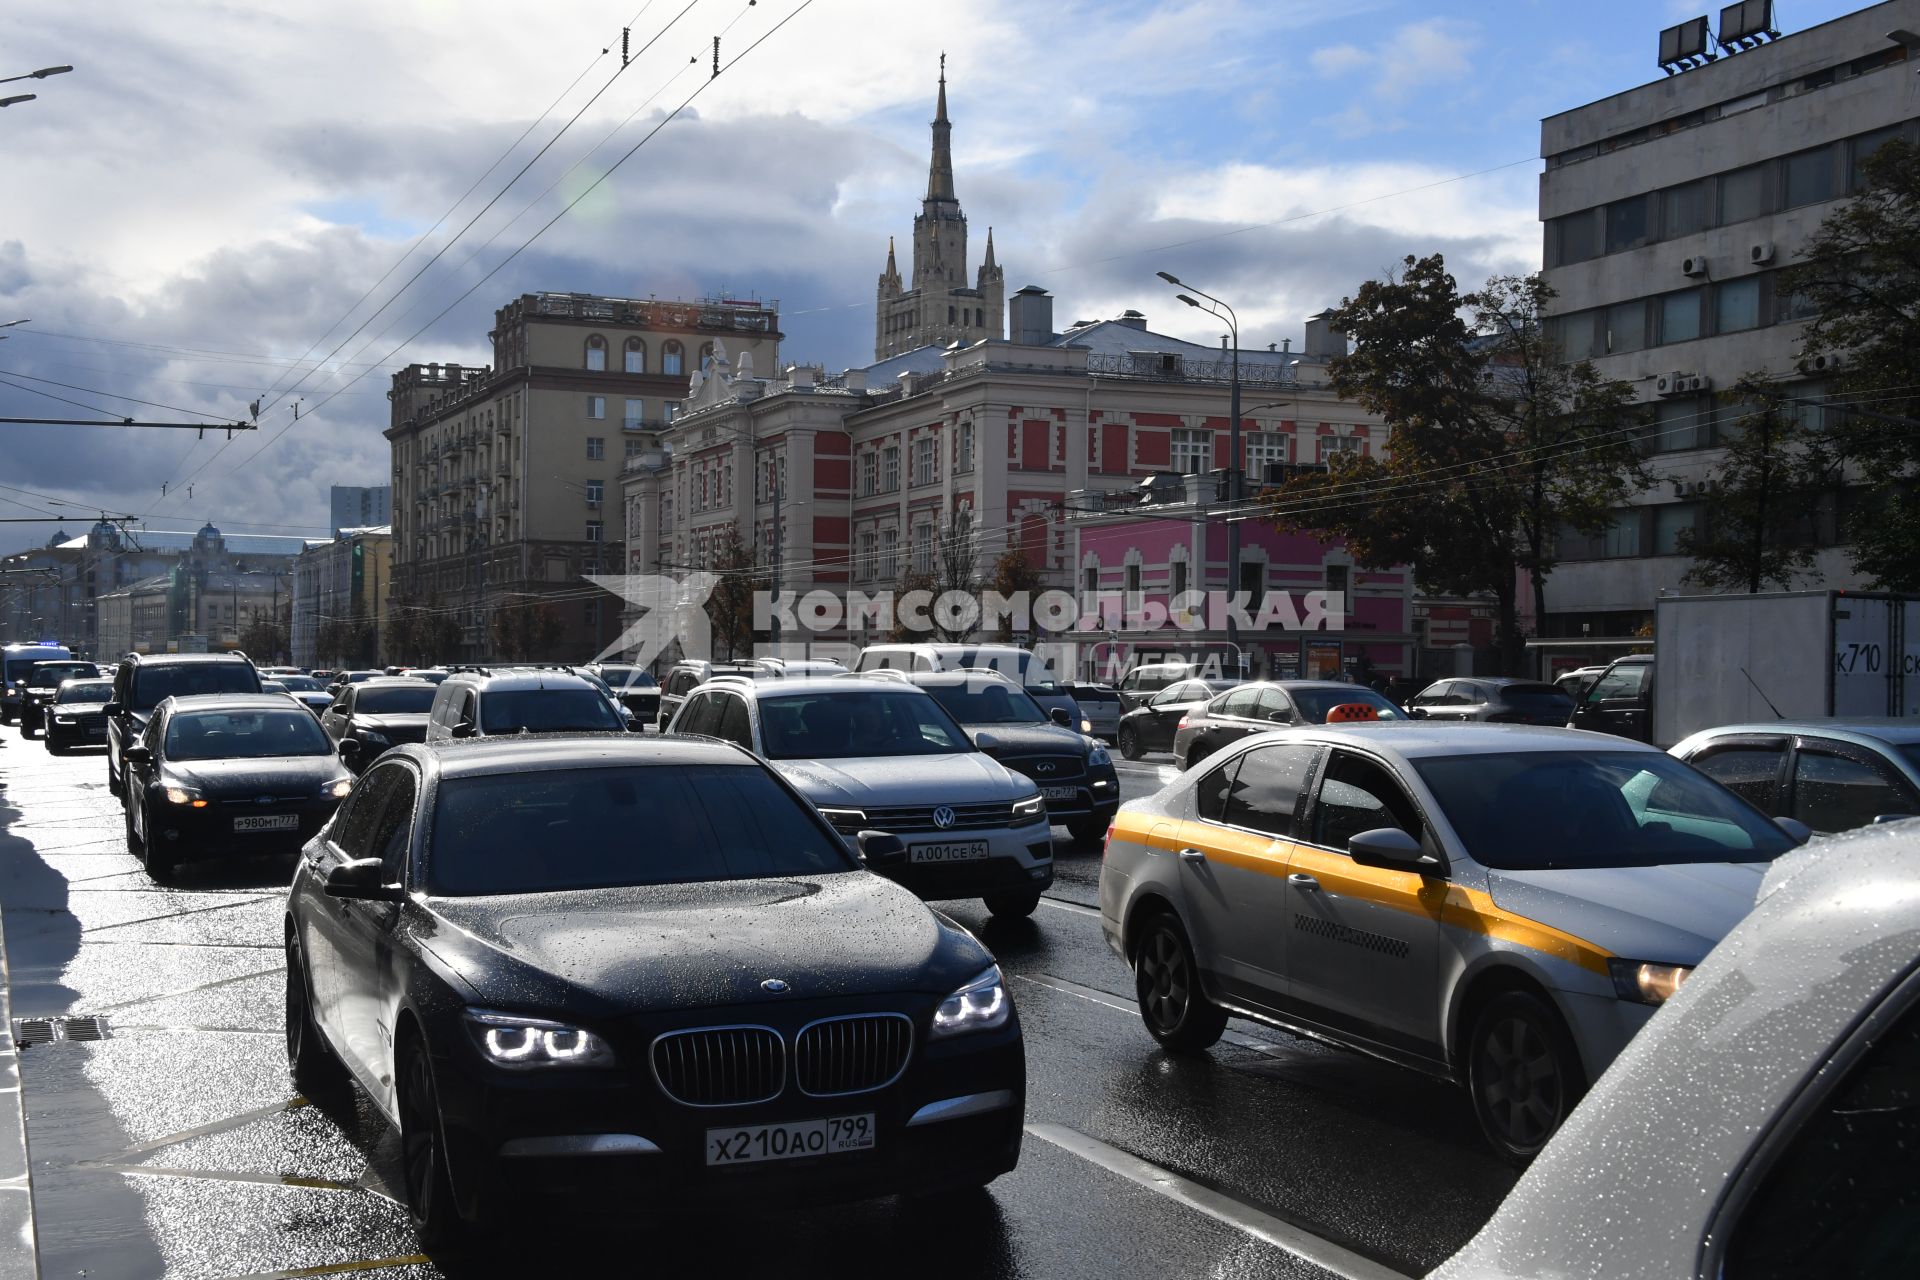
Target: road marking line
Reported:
point(338, 1268)
point(1063, 904)
point(201, 1131)
point(1217, 1205)
point(223, 1175)
point(187, 991)
point(1114, 1000)
point(177, 915)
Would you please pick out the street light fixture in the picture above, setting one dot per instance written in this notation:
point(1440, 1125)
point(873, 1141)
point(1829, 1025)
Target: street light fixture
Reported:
point(1222, 311)
point(18, 97)
point(41, 74)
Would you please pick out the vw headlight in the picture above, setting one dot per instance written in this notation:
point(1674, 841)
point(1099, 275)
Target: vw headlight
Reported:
point(1097, 756)
point(1645, 983)
point(181, 795)
point(337, 789)
point(981, 1005)
point(1032, 809)
point(519, 1043)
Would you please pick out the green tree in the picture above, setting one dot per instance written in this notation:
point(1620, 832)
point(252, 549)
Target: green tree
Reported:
point(1014, 573)
point(1765, 486)
point(1495, 443)
point(1856, 279)
point(527, 630)
point(955, 559)
point(730, 607)
point(914, 580)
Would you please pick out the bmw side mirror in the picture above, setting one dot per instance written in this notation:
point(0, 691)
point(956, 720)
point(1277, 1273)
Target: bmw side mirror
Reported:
point(1798, 830)
point(1392, 849)
point(462, 729)
point(362, 878)
point(636, 725)
point(112, 709)
point(137, 755)
point(349, 749)
point(1062, 717)
point(882, 849)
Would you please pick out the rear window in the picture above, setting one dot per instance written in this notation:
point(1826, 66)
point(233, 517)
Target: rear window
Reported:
point(544, 711)
point(611, 828)
point(1315, 703)
point(1535, 696)
point(393, 702)
point(1082, 694)
point(151, 684)
point(628, 678)
point(50, 677)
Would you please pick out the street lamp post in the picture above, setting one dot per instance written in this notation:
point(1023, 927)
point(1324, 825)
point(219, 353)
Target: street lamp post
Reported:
point(1234, 492)
point(14, 98)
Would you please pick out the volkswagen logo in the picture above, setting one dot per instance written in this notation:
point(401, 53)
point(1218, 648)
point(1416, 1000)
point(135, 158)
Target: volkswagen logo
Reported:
point(774, 986)
point(1044, 766)
point(943, 817)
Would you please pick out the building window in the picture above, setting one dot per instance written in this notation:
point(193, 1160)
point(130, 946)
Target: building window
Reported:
point(1622, 536)
point(595, 531)
point(706, 355)
point(1339, 576)
point(1743, 195)
point(924, 457)
point(1627, 326)
point(1670, 520)
point(636, 356)
point(1253, 582)
point(726, 484)
point(890, 468)
point(1266, 449)
point(1090, 584)
point(964, 448)
point(869, 473)
point(1863, 147)
point(597, 353)
point(1192, 450)
point(865, 568)
point(1133, 600)
point(1176, 580)
point(634, 447)
point(1578, 236)
point(1807, 177)
point(980, 317)
point(635, 415)
point(1679, 423)
point(923, 548)
point(596, 406)
point(1680, 316)
point(670, 358)
point(1627, 224)
point(1736, 305)
point(1686, 209)
point(890, 553)
point(596, 492)
point(596, 448)
point(1331, 445)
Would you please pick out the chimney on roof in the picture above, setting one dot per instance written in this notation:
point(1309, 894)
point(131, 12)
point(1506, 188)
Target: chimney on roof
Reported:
point(1132, 319)
point(1030, 317)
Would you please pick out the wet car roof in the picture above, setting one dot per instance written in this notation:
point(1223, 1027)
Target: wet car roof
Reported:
point(1416, 739)
point(475, 757)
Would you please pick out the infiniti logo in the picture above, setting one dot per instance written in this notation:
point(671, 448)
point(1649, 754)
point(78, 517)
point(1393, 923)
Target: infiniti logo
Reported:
point(943, 817)
point(1043, 768)
point(774, 986)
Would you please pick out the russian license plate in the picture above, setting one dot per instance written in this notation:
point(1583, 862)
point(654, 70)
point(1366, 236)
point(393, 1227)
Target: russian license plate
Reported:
point(268, 822)
point(753, 1143)
point(1060, 793)
point(952, 851)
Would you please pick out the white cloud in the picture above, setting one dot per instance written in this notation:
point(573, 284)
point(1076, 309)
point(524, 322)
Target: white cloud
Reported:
point(1340, 59)
point(1434, 52)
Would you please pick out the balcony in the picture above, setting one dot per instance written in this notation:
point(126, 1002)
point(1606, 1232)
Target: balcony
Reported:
point(644, 424)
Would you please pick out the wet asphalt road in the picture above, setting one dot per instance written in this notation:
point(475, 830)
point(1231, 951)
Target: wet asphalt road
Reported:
point(177, 1147)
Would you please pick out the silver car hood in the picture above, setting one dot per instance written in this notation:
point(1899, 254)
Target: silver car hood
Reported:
point(959, 778)
point(1671, 914)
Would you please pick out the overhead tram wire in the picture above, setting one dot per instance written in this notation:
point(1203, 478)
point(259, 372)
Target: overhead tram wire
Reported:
point(497, 196)
point(441, 220)
point(548, 225)
point(95, 391)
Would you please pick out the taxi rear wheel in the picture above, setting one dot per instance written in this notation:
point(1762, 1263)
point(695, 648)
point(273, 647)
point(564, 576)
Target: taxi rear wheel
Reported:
point(1166, 979)
point(1130, 742)
point(1523, 1072)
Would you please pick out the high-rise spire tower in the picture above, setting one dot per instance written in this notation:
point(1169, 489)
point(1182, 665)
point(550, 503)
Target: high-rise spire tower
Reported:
point(939, 308)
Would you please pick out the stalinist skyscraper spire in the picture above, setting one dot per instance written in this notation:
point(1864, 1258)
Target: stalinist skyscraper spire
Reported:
point(939, 308)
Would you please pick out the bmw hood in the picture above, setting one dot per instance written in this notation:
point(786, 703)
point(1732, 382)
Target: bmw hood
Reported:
point(1671, 914)
point(611, 951)
point(965, 777)
point(244, 779)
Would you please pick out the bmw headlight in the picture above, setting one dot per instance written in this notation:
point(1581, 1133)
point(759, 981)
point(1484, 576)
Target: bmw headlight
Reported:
point(337, 789)
point(1645, 983)
point(520, 1043)
point(981, 1005)
point(1097, 755)
point(1032, 809)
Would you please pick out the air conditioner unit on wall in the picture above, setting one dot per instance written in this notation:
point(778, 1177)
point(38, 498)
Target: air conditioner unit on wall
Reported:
point(1697, 382)
point(1670, 384)
point(1829, 362)
point(1694, 266)
point(1760, 255)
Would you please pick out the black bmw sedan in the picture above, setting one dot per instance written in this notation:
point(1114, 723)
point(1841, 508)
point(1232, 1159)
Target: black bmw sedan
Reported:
point(639, 973)
point(228, 774)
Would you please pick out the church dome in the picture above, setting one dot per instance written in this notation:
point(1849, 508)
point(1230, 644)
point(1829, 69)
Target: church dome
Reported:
point(208, 531)
point(59, 536)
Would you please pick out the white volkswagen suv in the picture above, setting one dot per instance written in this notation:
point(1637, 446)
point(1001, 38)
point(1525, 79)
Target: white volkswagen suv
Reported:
point(881, 755)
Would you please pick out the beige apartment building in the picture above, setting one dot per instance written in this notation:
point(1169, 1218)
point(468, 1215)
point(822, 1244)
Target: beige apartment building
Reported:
point(501, 474)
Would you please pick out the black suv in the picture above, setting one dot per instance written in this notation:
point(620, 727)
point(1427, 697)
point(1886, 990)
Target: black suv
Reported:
point(42, 685)
point(143, 680)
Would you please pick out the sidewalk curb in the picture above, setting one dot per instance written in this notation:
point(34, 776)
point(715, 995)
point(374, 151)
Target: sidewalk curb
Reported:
point(19, 1261)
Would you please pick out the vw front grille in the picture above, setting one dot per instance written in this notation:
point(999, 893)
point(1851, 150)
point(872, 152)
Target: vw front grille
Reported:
point(720, 1066)
point(856, 1054)
point(919, 818)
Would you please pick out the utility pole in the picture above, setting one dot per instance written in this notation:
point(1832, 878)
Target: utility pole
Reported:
point(776, 555)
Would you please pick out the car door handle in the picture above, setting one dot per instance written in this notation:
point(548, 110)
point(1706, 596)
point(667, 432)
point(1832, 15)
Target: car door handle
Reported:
point(1301, 880)
point(1192, 855)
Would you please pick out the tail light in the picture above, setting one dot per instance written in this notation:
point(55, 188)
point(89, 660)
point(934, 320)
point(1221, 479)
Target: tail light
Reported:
point(1108, 841)
point(1184, 722)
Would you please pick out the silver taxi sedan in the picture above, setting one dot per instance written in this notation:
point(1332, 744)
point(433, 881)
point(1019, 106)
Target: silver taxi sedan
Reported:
point(1500, 905)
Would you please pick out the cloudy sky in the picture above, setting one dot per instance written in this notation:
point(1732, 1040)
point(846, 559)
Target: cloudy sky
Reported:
point(208, 198)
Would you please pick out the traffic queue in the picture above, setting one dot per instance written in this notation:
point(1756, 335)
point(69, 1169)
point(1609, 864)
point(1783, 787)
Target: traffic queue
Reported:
point(576, 927)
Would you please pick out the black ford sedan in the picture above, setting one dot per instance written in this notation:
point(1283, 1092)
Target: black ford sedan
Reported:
point(228, 774)
point(638, 973)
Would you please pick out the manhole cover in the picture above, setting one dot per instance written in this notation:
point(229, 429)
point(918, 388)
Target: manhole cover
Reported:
point(28, 1032)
